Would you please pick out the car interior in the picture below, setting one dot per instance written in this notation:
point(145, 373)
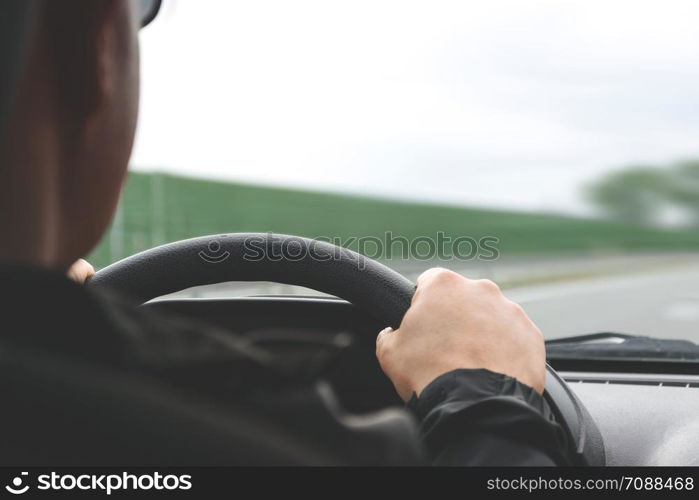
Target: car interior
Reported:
point(629, 412)
point(638, 408)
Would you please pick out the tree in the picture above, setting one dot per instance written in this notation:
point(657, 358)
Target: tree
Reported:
point(634, 194)
point(683, 188)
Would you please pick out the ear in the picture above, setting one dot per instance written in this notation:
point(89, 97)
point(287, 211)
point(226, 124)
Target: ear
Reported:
point(85, 42)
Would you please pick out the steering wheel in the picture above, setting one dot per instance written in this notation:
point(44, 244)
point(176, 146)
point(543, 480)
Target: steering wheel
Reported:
point(369, 285)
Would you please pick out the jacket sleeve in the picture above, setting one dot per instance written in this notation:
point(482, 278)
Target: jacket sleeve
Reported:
point(478, 417)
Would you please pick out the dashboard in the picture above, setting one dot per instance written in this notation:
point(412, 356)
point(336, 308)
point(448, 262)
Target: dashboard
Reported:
point(643, 418)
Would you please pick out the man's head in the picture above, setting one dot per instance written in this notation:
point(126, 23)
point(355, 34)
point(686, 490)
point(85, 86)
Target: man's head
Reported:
point(68, 108)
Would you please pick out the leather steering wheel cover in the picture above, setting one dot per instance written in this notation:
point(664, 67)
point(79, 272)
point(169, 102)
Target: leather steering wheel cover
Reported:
point(279, 258)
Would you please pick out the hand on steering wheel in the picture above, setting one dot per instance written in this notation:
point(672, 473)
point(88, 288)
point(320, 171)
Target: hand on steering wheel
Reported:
point(469, 322)
point(456, 323)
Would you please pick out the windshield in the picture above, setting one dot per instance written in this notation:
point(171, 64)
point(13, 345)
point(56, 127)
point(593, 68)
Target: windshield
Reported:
point(549, 146)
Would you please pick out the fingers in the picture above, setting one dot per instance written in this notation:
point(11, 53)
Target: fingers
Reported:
point(459, 323)
point(435, 277)
point(383, 334)
point(429, 275)
point(80, 271)
point(382, 341)
point(441, 277)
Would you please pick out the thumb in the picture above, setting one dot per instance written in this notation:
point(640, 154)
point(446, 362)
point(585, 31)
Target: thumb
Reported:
point(383, 334)
point(80, 271)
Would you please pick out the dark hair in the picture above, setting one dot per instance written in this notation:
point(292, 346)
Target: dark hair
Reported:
point(15, 23)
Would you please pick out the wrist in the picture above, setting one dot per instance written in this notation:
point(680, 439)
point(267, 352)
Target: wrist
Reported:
point(471, 385)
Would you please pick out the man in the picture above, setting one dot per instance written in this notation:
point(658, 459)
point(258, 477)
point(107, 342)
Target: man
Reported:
point(469, 362)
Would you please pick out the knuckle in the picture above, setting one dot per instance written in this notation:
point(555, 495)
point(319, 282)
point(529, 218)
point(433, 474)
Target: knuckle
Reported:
point(488, 285)
point(436, 277)
point(516, 308)
point(441, 275)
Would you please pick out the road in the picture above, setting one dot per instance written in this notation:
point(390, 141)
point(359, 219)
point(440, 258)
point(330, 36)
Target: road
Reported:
point(660, 303)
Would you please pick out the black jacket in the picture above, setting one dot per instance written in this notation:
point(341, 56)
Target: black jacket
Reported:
point(465, 417)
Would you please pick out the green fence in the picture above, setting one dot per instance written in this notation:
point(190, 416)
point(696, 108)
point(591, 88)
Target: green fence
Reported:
point(159, 208)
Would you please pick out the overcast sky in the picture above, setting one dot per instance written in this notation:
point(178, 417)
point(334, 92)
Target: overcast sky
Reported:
point(497, 103)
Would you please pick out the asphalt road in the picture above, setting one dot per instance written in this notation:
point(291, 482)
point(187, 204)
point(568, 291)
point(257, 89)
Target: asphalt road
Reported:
point(659, 303)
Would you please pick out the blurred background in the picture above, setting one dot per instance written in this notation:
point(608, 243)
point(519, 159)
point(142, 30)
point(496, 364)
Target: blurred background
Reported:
point(569, 131)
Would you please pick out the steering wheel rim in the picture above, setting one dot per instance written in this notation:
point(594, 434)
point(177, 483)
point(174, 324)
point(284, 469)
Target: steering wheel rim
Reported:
point(280, 258)
point(377, 289)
